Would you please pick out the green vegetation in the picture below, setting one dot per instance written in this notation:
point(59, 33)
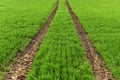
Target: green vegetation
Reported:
point(101, 19)
point(20, 20)
point(61, 56)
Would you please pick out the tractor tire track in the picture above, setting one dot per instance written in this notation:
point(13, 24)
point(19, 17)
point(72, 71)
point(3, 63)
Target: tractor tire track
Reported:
point(100, 70)
point(21, 68)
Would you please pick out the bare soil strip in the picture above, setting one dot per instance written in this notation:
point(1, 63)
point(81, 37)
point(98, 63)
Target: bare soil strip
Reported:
point(21, 68)
point(100, 70)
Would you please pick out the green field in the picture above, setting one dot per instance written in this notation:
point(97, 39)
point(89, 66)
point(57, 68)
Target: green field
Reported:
point(19, 23)
point(61, 55)
point(101, 19)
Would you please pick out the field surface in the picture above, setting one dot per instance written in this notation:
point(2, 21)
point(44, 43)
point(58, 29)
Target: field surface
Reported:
point(59, 40)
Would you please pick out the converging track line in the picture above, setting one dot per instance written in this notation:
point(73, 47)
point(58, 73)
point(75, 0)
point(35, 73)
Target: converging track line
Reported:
point(24, 62)
point(99, 67)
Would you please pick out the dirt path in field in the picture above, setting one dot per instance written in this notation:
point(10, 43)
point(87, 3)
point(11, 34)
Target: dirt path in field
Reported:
point(100, 70)
point(21, 68)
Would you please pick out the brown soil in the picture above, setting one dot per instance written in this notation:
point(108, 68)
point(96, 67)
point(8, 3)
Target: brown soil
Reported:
point(21, 68)
point(99, 67)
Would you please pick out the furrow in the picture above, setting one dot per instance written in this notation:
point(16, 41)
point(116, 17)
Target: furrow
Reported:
point(99, 67)
point(21, 68)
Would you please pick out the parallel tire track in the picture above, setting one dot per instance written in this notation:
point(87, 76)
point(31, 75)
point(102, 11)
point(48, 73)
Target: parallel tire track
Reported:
point(100, 70)
point(21, 68)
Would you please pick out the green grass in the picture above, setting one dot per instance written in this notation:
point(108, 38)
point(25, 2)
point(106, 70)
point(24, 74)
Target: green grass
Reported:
point(20, 20)
point(61, 56)
point(101, 19)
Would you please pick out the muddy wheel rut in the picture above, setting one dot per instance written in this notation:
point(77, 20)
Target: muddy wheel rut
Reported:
point(99, 67)
point(21, 68)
